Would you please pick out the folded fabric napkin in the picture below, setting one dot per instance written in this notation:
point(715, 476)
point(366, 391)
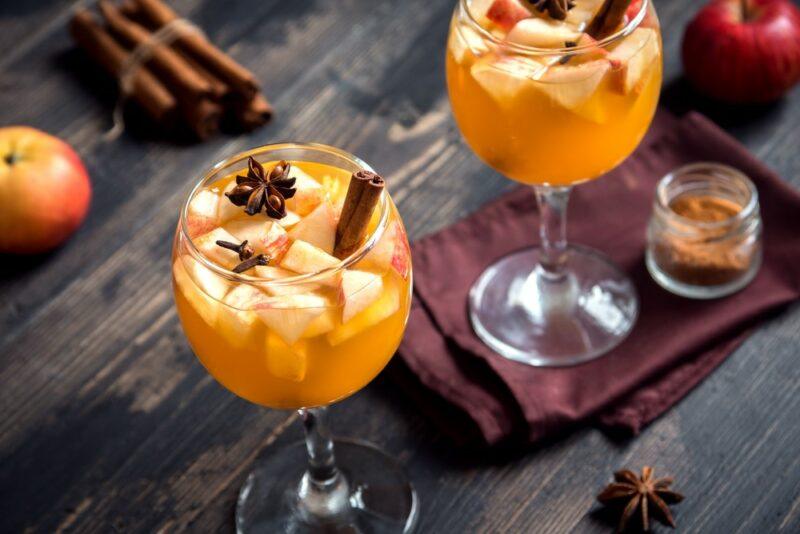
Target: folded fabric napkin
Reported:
point(676, 341)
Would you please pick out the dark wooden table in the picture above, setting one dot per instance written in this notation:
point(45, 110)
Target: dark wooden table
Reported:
point(107, 422)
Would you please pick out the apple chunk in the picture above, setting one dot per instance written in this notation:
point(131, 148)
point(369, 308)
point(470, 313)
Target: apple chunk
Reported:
point(317, 228)
point(288, 316)
point(237, 321)
point(285, 361)
point(276, 273)
point(632, 60)
point(383, 308)
point(266, 237)
point(504, 78)
point(309, 193)
point(227, 209)
point(507, 13)
point(542, 33)
point(391, 252)
point(572, 87)
point(206, 307)
point(358, 290)
point(305, 258)
point(322, 324)
point(203, 213)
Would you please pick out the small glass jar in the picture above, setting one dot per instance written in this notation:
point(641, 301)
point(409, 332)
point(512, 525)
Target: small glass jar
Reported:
point(704, 237)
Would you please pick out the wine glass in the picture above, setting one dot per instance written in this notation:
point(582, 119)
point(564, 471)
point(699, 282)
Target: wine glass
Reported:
point(299, 339)
point(552, 117)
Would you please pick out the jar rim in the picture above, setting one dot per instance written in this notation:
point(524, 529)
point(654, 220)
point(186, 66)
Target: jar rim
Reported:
point(712, 172)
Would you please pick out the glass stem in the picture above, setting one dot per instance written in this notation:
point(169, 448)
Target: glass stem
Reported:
point(553, 229)
point(323, 491)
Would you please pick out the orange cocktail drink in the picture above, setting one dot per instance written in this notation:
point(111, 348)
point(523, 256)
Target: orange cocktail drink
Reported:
point(284, 343)
point(547, 117)
point(292, 279)
point(553, 93)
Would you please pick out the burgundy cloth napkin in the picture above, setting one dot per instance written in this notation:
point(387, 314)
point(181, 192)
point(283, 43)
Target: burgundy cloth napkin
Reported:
point(676, 342)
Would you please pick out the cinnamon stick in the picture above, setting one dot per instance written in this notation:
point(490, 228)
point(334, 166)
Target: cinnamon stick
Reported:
point(219, 89)
point(150, 93)
point(171, 68)
point(608, 18)
point(203, 117)
point(200, 49)
point(251, 114)
point(363, 194)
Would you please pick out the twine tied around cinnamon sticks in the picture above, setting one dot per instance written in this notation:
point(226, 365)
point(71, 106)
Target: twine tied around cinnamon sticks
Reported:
point(138, 57)
point(167, 65)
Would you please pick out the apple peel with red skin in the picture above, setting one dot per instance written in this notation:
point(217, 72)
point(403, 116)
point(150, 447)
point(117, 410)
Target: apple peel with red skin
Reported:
point(743, 51)
point(44, 191)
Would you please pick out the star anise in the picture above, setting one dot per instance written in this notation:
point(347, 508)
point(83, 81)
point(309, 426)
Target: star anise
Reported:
point(648, 495)
point(259, 189)
point(557, 9)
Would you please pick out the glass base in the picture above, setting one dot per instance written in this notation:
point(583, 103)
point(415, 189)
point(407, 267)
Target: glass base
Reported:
point(527, 315)
point(378, 496)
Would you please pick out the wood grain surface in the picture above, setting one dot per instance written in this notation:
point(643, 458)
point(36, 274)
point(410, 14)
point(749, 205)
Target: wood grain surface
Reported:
point(108, 423)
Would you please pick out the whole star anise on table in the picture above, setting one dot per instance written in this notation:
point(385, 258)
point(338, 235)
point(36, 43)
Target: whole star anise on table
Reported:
point(259, 189)
point(647, 494)
point(557, 9)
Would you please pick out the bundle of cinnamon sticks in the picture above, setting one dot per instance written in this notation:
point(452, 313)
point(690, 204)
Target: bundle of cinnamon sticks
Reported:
point(188, 82)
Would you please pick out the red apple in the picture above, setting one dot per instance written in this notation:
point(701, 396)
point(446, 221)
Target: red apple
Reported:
point(506, 13)
point(744, 51)
point(44, 191)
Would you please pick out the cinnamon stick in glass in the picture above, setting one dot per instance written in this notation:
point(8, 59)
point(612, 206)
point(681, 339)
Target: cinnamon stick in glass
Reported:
point(200, 49)
point(608, 18)
point(170, 67)
point(363, 195)
point(150, 93)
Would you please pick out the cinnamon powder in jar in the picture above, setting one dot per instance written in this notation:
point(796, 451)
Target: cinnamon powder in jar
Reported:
point(704, 236)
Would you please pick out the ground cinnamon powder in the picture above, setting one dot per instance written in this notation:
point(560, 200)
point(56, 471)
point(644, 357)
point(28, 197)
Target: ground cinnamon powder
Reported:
point(702, 256)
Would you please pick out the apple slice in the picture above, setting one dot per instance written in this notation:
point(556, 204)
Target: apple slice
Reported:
point(358, 290)
point(266, 237)
point(207, 245)
point(317, 228)
point(383, 308)
point(203, 213)
point(227, 209)
point(505, 77)
point(322, 324)
point(309, 193)
point(391, 252)
point(583, 12)
point(276, 273)
point(289, 220)
point(507, 13)
point(571, 87)
point(237, 321)
point(305, 258)
point(285, 361)
point(649, 21)
point(288, 316)
point(632, 60)
point(542, 33)
point(206, 307)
